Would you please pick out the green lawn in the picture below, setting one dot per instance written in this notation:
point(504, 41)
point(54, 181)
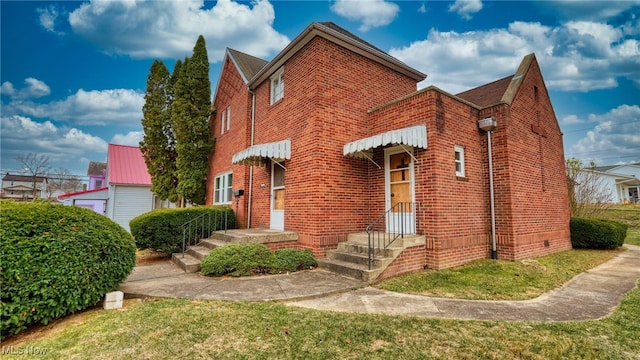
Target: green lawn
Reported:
point(184, 329)
point(500, 279)
point(630, 215)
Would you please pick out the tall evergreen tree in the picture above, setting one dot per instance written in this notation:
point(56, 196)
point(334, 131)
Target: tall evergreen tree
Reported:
point(191, 111)
point(158, 144)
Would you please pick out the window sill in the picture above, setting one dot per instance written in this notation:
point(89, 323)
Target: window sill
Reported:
point(462, 178)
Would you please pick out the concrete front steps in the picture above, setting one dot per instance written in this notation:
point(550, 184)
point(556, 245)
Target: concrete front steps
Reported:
point(192, 258)
point(351, 257)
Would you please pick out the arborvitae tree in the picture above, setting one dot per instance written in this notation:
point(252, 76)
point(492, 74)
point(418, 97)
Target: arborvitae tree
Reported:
point(191, 111)
point(158, 144)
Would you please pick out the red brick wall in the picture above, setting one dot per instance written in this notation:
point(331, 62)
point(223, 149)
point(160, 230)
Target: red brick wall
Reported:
point(327, 92)
point(231, 91)
point(540, 205)
point(411, 259)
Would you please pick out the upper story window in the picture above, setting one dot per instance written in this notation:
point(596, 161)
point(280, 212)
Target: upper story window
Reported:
point(223, 115)
point(277, 86)
point(459, 159)
point(223, 188)
point(228, 117)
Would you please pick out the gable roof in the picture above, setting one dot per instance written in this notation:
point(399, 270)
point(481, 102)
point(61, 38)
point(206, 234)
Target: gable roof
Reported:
point(488, 94)
point(341, 37)
point(499, 91)
point(97, 168)
point(125, 165)
point(24, 178)
point(611, 167)
point(247, 65)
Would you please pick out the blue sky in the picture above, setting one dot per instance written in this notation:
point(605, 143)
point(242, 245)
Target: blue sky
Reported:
point(73, 74)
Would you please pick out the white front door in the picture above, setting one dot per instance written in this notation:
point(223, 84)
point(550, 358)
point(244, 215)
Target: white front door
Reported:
point(277, 196)
point(399, 191)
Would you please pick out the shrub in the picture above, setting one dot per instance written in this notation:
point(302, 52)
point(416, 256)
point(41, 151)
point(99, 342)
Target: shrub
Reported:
point(57, 260)
point(239, 260)
point(254, 259)
point(162, 229)
point(597, 233)
point(294, 260)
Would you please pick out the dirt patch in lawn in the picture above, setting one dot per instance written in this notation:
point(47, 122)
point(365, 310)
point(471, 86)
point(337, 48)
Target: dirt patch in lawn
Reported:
point(148, 257)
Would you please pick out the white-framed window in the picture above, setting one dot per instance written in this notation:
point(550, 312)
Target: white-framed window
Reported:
point(223, 188)
point(222, 119)
point(228, 117)
point(459, 158)
point(277, 86)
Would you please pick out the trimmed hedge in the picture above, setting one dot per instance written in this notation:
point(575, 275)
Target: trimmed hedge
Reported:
point(597, 233)
point(56, 260)
point(255, 259)
point(162, 229)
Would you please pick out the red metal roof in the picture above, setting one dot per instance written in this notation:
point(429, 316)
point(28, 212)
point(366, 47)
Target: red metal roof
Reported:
point(125, 165)
point(64, 196)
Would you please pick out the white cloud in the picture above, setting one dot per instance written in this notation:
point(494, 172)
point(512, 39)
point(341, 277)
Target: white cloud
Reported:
point(573, 56)
point(64, 146)
point(169, 29)
point(35, 88)
point(615, 137)
point(48, 17)
point(465, 8)
point(372, 13)
point(132, 138)
point(95, 107)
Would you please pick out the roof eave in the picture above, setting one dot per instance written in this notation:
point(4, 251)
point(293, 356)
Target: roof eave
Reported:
point(316, 29)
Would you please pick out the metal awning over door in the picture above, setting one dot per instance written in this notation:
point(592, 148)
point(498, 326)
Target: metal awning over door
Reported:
point(254, 155)
point(415, 136)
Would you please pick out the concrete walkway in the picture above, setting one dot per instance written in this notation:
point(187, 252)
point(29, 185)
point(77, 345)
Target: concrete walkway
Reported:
point(590, 295)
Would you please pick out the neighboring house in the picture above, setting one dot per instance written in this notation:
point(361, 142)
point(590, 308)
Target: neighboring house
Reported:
point(127, 187)
point(331, 133)
point(97, 172)
point(21, 187)
point(621, 182)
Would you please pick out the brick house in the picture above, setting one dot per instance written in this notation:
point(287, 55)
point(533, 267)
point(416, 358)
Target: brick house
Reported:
point(332, 134)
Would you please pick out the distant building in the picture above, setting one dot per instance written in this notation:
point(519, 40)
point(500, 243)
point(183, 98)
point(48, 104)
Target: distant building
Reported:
point(126, 187)
point(622, 182)
point(23, 187)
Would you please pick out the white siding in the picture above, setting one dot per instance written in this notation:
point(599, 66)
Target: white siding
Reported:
point(129, 202)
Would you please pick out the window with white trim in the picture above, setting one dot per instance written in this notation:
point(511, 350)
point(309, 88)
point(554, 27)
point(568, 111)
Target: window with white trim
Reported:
point(222, 118)
point(459, 159)
point(228, 117)
point(277, 86)
point(222, 191)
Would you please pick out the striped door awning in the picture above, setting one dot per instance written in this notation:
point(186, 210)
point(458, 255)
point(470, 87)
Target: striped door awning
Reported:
point(415, 136)
point(254, 155)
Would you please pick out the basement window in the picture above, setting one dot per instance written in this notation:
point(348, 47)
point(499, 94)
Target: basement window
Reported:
point(459, 160)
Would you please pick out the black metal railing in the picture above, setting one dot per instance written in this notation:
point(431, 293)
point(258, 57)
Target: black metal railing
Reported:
point(202, 227)
point(399, 220)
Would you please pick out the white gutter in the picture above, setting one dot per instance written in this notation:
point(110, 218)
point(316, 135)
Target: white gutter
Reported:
point(489, 124)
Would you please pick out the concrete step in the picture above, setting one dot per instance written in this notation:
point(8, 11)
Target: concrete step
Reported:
point(356, 271)
point(213, 243)
point(356, 248)
point(408, 240)
point(198, 251)
point(187, 262)
point(357, 258)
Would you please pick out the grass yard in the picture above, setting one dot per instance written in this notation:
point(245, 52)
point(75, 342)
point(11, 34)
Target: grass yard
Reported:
point(630, 215)
point(184, 329)
point(488, 279)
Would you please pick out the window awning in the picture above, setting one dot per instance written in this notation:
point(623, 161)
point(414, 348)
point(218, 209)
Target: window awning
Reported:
point(253, 155)
point(415, 136)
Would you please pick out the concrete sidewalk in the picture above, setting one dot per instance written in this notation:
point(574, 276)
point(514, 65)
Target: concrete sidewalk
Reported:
point(590, 295)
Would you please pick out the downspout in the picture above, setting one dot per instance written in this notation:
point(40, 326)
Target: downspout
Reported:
point(253, 119)
point(489, 124)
